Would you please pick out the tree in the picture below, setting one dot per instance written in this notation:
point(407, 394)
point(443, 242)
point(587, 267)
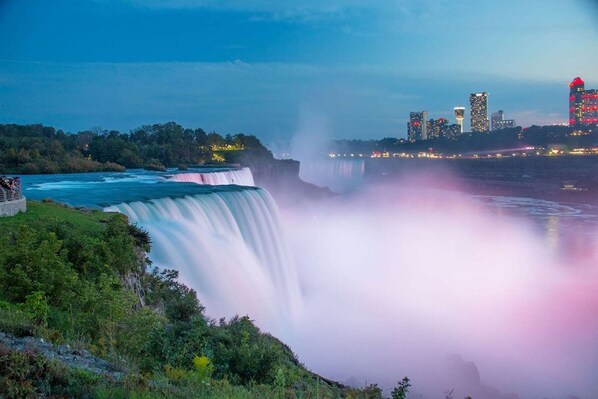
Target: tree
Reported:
point(401, 390)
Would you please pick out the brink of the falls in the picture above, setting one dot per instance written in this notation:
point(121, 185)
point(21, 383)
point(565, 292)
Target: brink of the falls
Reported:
point(240, 177)
point(228, 245)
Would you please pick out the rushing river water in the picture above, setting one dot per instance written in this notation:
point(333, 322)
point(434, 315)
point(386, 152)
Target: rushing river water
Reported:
point(383, 281)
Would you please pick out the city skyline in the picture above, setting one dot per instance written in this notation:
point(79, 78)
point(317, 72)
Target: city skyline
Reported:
point(276, 69)
point(583, 104)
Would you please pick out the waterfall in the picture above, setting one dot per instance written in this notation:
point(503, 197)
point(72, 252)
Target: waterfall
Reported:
point(340, 175)
point(228, 246)
point(240, 177)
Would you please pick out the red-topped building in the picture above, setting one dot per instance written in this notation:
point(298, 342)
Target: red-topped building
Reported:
point(583, 104)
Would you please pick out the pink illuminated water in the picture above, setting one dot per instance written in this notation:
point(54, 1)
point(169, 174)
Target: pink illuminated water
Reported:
point(240, 177)
point(479, 294)
point(396, 280)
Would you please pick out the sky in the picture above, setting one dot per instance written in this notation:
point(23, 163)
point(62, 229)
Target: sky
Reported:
point(352, 69)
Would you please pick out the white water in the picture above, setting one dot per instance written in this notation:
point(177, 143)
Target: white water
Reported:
point(229, 246)
point(340, 175)
point(392, 281)
point(240, 177)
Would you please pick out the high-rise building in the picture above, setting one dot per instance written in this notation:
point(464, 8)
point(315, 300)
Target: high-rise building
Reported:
point(436, 128)
point(576, 89)
point(497, 121)
point(442, 127)
point(504, 124)
point(460, 115)
point(583, 104)
point(478, 103)
point(417, 126)
point(589, 107)
point(495, 118)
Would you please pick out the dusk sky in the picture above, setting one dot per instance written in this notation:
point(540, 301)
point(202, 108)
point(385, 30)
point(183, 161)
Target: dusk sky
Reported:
point(354, 69)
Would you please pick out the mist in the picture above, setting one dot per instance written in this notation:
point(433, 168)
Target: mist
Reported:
point(436, 286)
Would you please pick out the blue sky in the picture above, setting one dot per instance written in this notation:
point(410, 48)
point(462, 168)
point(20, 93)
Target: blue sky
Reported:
point(272, 68)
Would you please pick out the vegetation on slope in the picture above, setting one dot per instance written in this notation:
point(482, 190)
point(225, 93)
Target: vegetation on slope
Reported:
point(79, 278)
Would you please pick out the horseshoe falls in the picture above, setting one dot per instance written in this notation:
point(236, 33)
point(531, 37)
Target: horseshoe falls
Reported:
point(340, 175)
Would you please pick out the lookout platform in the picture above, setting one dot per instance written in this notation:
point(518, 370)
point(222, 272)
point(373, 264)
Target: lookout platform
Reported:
point(12, 200)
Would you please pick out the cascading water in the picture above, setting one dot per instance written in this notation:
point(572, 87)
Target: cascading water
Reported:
point(340, 175)
point(392, 277)
point(227, 245)
point(240, 177)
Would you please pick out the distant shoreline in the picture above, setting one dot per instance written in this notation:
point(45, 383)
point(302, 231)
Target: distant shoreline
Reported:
point(571, 179)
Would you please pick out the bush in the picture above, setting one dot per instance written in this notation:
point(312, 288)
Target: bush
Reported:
point(15, 321)
point(61, 277)
point(29, 375)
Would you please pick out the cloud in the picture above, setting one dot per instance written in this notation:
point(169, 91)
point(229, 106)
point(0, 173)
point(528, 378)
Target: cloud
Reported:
point(306, 10)
point(263, 9)
point(265, 99)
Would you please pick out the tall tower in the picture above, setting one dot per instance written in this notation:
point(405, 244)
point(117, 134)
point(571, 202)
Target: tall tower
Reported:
point(417, 123)
point(478, 103)
point(576, 92)
point(460, 115)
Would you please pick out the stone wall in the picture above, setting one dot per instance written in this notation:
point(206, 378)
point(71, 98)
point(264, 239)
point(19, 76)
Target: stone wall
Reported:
point(11, 208)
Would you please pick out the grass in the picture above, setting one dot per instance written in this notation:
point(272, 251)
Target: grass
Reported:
point(38, 213)
point(15, 321)
point(52, 244)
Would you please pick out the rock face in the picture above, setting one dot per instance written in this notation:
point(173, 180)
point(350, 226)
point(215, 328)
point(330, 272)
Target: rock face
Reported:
point(70, 357)
point(282, 180)
point(280, 177)
point(465, 378)
point(132, 280)
point(11, 208)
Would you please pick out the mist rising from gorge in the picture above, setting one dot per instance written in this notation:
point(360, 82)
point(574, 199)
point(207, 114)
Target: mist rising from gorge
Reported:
point(396, 279)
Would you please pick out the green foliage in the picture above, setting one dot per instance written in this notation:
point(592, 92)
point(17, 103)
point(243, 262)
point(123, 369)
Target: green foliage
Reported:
point(243, 354)
point(29, 149)
point(34, 260)
point(63, 275)
point(401, 390)
point(14, 320)
point(203, 367)
point(36, 304)
point(27, 375)
point(372, 391)
point(39, 149)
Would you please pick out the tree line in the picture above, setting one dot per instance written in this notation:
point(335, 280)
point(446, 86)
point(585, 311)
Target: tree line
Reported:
point(503, 139)
point(31, 149)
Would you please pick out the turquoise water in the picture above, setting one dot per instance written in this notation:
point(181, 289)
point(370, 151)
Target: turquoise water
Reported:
point(102, 189)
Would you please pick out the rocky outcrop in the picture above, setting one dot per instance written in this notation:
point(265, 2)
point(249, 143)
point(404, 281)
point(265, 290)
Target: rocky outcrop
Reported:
point(132, 280)
point(70, 357)
point(281, 178)
point(465, 378)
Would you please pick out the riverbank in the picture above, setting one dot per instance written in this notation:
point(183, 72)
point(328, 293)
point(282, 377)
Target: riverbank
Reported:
point(571, 179)
point(76, 293)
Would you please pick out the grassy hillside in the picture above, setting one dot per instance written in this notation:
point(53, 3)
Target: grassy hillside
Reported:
point(80, 278)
